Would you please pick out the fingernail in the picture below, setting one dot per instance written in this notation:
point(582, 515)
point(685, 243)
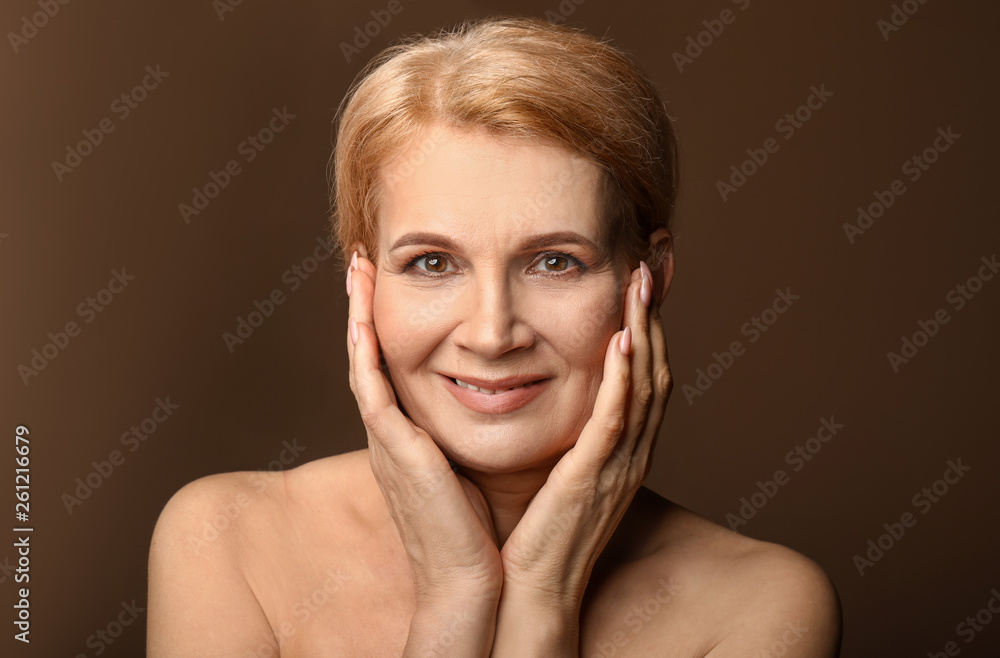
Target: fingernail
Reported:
point(626, 341)
point(354, 332)
point(349, 281)
point(646, 292)
point(354, 260)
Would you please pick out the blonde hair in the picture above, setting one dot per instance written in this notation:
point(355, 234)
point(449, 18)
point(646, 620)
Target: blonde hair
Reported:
point(511, 76)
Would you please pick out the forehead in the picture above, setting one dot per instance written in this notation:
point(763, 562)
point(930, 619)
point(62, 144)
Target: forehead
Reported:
point(487, 191)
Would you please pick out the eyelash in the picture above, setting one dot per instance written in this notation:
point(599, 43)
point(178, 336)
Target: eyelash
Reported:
point(549, 254)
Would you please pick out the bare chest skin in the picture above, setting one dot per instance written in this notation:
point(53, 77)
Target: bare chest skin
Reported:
point(333, 580)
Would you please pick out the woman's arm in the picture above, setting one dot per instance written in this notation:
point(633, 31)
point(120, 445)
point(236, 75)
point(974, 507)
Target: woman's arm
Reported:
point(548, 558)
point(442, 518)
point(200, 604)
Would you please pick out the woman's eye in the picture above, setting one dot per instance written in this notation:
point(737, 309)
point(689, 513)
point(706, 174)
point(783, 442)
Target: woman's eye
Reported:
point(435, 263)
point(556, 262)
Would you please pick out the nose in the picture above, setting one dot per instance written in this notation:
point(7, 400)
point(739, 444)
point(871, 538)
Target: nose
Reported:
point(490, 311)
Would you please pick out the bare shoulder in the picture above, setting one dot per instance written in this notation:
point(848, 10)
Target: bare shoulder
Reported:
point(199, 598)
point(205, 509)
point(778, 599)
point(219, 553)
point(198, 517)
point(229, 515)
point(725, 594)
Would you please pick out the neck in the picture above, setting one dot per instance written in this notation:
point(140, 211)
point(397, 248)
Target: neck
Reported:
point(508, 495)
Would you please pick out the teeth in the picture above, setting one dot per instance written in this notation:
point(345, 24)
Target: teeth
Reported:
point(486, 390)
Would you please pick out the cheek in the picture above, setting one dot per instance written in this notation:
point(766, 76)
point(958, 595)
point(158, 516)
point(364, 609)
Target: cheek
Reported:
point(580, 325)
point(404, 324)
point(390, 323)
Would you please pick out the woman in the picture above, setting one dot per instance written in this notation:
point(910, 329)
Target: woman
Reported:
point(504, 191)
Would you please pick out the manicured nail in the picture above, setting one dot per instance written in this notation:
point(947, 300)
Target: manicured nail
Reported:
point(626, 341)
point(646, 292)
point(354, 259)
point(349, 281)
point(354, 332)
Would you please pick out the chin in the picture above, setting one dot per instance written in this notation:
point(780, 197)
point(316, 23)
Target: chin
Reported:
point(503, 447)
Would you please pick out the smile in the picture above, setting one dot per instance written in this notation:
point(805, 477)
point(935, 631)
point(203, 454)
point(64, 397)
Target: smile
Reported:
point(494, 401)
point(486, 390)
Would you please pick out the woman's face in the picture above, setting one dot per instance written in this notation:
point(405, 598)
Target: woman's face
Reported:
point(491, 267)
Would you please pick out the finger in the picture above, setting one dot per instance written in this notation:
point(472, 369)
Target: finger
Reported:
point(361, 279)
point(641, 394)
point(376, 399)
point(663, 383)
point(607, 422)
point(358, 270)
point(399, 450)
point(350, 314)
point(409, 468)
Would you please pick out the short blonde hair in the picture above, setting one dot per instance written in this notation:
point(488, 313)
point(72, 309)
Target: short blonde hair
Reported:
point(511, 76)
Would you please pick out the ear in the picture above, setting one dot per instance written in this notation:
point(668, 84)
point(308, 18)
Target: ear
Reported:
point(661, 239)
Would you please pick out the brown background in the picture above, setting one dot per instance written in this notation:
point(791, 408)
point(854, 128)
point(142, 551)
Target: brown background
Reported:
point(826, 356)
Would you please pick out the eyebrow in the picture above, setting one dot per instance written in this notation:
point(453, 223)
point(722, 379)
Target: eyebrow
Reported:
point(541, 241)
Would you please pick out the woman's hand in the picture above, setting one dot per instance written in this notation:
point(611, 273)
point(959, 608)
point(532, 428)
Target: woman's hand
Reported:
point(548, 558)
point(442, 518)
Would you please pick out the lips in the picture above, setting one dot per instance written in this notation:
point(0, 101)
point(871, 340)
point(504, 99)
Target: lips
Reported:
point(506, 396)
point(489, 391)
point(494, 385)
